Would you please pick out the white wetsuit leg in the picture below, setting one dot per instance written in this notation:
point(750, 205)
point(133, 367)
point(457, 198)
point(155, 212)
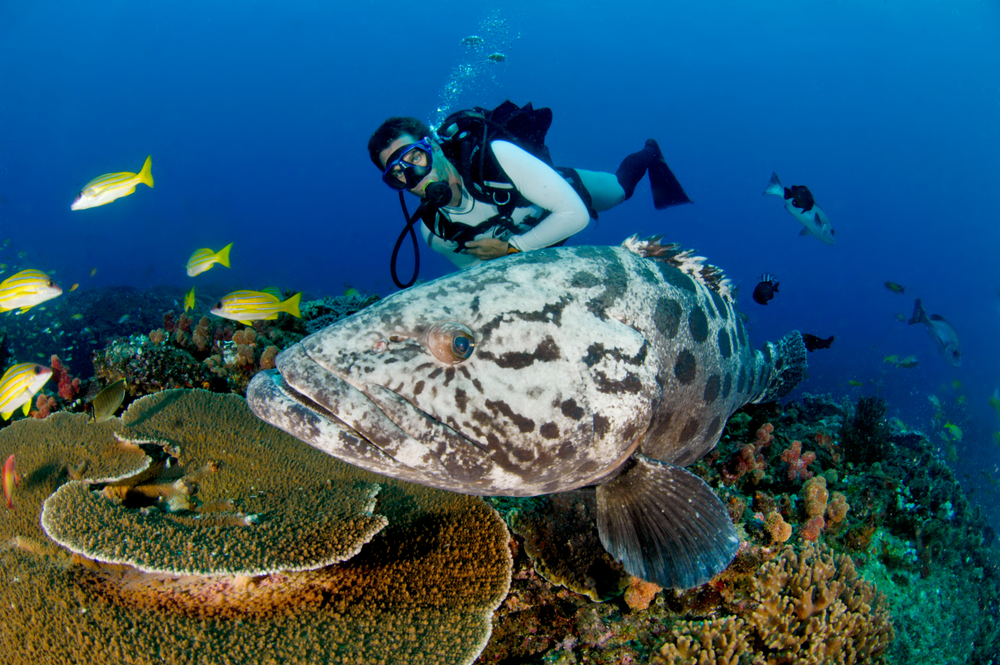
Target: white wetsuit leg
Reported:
point(605, 191)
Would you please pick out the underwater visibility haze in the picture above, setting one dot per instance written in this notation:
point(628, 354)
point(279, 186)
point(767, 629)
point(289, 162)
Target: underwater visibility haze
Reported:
point(845, 150)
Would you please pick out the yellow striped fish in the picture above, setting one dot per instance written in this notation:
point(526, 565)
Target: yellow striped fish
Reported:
point(111, 186)
point(204, 258)
point(26, 289)
point(247, 306)
point(189, 300)
point(19, 384)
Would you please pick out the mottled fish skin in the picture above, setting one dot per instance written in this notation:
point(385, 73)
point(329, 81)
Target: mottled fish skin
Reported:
point(583, 356)
point(590, 363)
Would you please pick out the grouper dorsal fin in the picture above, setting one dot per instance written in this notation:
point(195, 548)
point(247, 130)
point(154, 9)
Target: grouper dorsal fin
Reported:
point(665, 525)
point(682, 259)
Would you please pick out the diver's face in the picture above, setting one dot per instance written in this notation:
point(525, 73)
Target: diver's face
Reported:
point(415, 157)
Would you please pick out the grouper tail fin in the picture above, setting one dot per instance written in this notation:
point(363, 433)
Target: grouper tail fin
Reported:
point(665, 524)
point(788, 366)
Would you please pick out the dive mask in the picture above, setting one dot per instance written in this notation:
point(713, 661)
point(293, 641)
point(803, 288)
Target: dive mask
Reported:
point(400, 171)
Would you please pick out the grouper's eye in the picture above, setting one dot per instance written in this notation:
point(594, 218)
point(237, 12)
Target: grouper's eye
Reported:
point(451, 342)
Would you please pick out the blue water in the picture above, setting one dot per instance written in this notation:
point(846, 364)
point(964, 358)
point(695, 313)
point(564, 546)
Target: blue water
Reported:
point(257, 116)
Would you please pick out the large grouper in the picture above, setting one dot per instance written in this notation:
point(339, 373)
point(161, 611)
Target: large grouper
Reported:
point(544, 372)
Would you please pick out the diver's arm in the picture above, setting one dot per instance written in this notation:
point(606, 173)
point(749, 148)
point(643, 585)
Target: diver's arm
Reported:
point(540, 184)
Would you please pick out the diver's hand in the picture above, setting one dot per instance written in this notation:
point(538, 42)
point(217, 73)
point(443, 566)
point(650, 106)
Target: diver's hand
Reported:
point(489, 248)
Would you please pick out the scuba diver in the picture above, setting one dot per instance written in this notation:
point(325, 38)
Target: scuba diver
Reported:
point(488, 187)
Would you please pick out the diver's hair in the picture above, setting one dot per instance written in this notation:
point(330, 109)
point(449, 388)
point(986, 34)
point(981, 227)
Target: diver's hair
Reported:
point(392, 129)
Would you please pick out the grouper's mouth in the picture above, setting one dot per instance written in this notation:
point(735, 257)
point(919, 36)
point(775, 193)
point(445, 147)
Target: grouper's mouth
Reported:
point(376, 428)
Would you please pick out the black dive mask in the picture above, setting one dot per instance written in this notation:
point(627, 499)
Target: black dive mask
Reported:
point(401, 172)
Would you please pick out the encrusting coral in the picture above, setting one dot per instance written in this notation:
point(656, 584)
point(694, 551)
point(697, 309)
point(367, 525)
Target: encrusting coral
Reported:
point(810, 607)
point(422, 591)
point(560, 537)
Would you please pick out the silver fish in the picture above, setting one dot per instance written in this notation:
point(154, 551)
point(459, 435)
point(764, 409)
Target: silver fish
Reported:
point(942, 332)
point(543, 372)
point(799, 201)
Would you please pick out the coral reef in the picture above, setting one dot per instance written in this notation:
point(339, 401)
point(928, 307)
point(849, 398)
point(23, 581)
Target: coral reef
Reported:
point(560, 536)
point(809, 607)
point(222, 516)
point(423, 590)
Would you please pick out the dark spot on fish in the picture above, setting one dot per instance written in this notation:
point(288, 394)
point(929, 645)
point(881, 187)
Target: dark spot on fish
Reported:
point(720, 304)
point(801, 197)
point(551, 312)
point(741, 384)
point(725, 349)
point(686, 367)
point(478, 385)
point(601, 426)
point(712, 433)
point(698, 323)
point(571, 409)
point(615, 282)
point(464, 371)
point(449, 374)
point(584, 280)
point(597, 352)
point(656, 443)
point(741, 330)
point(630, 384)
point(549, 431)
point(474, 305)
point(418, 387)
point(675, 277)
point(690, 429)
point(546, 351)
point(422, 366)
point(712, 388)
point(435, 374)
point(727, 386)
point(524, 425)
point(667, 317)
point(461, 400)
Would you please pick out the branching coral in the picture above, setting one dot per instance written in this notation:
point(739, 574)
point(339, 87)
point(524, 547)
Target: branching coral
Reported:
point(811, 608)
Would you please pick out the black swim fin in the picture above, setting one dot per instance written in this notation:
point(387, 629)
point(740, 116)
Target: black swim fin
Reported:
point(665, 524)
point(667, 190)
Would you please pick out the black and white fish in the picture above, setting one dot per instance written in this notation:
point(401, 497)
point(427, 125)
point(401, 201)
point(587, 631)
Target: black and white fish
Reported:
point(941, 331)
point(543, 372)
point(765, 289)
point(799, 201)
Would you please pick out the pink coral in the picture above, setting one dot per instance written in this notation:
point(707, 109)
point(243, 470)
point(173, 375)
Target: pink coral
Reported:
point(68, 387)
point(798, 462)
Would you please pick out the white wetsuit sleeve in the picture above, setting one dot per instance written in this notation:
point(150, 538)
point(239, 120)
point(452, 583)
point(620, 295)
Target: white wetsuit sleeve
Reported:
point(541, 185)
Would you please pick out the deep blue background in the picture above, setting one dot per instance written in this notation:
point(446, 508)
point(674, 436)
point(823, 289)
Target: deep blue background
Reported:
point(257, 116)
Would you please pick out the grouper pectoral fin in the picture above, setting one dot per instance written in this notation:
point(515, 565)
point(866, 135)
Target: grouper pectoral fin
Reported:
point(665, 525)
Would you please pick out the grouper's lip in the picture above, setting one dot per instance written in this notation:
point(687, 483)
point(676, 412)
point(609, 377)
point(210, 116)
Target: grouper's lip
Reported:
point(381, 418)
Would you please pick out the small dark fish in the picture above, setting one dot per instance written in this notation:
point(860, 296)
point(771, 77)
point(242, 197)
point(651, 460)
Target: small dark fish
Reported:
point(107, 401)
point(813, 342)
point(766, 289)
point(895, 288)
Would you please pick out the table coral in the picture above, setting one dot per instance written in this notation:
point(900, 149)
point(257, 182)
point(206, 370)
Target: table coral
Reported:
point(810, 608)
point(423, 591)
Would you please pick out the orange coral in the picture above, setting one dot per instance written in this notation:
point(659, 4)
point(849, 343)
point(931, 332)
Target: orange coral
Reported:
point(837, 509)
point(798, 462)
point(776, 525)
point(640, 593)
point(812, 528)
point(268, 356)
point(815, 496)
